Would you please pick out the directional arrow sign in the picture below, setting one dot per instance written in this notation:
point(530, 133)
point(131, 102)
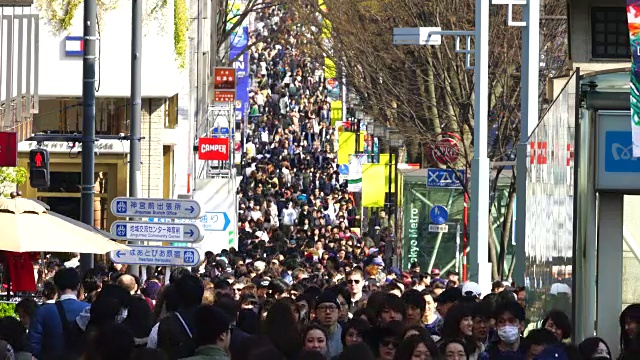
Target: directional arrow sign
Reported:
point(142, 230)
point(157, 256)
point(165, 208)
point(210, 221)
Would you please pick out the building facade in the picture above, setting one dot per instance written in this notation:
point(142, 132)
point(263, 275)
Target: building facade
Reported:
point(165, 112)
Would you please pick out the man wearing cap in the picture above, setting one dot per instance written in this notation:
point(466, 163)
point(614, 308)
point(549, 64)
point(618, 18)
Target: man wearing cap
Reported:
point(471, 292)
point(327, 311)
point(212, 336)
point(435, 274)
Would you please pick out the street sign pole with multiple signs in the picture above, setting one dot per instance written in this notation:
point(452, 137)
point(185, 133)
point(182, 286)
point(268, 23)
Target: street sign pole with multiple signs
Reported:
point(178, 209)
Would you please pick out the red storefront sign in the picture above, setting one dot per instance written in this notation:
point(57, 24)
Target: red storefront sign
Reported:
point(224, 78)
point(8, 149)
point(216, 149)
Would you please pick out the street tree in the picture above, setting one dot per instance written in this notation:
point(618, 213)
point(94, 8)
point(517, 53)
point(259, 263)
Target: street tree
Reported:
point(427, 91)
point(11, 177)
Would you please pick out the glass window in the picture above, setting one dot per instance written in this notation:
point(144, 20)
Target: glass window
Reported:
point(610, 33)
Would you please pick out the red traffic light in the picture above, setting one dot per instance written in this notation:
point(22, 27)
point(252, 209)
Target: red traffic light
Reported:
point(38, 157)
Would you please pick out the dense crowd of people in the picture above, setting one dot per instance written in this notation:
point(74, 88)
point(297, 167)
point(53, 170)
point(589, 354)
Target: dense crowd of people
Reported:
point(302, 283)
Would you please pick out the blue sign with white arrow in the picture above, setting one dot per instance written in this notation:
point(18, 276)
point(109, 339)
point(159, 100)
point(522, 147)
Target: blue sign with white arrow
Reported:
point(157, 256)
point(167, 231)
point(210, 221)
point(165, 208)
point(343, 169)
point(439, 215)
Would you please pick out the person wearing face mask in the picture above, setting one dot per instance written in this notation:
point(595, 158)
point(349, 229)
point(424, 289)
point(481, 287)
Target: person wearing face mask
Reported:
point(510, 320)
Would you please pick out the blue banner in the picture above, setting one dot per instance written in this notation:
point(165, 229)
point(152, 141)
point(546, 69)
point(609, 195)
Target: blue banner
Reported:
point(239, 41)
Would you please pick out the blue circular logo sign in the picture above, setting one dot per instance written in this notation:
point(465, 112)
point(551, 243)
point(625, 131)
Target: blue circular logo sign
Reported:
point(439, 215)
point(239, 38)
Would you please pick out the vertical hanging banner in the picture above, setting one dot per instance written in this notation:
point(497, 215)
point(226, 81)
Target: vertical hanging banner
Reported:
point(239, 41)
point(354, 181)
point(633, 17)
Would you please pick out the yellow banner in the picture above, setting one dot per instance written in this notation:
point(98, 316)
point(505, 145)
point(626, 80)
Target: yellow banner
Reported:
point(384, 160)
point(336, 112)
point(347, 146)
point(373, 188)
point(329, 69)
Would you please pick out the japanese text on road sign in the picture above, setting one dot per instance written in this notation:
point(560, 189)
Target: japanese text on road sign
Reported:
point(157, 255)
point(167, 208)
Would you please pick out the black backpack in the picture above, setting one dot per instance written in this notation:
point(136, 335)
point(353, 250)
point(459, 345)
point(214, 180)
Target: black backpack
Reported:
point(175, 338)
point(69, 337)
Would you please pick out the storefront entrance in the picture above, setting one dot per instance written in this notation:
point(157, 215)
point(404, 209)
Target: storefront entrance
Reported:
point(63, 194)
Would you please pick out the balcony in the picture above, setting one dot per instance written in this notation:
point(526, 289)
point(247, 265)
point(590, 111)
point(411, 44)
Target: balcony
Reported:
point(19, 55)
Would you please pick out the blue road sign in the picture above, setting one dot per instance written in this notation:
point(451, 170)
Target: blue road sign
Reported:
point(210, 221)
point(142, 230)
point(343, 169)
point(438, 215)
point(445, 178)
point(157, 256)
point(165, 208)
point(222, 130)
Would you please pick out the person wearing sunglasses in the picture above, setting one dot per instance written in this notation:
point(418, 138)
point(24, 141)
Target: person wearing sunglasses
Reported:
point(387, 338)
point(355, 283)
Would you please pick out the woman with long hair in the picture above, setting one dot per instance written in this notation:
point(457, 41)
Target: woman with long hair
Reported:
point(458, 324)
point(281, 327)
point(629, 332)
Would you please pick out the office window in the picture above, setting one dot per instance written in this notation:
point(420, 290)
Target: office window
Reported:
point(609, 33)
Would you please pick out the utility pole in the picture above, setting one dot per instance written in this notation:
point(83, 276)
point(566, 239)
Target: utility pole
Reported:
point(88, 120)
point(135, 130)
point(480, 267)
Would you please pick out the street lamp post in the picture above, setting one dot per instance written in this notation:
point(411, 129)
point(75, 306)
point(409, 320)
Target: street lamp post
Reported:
point(396, 141)
point(480, 268)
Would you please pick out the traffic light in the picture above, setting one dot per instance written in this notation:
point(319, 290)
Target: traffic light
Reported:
point(39, 168)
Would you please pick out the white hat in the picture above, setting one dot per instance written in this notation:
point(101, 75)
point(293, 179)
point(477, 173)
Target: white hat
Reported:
point(471, 288)
point(559, 288)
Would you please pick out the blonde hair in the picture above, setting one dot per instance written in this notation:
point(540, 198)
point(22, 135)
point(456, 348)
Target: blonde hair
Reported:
point(208, 297)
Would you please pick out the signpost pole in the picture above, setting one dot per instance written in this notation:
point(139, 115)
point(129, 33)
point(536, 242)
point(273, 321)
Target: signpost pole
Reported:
point(136, 105)
point(480, 266)
point(88, 121)
point(529, 120)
